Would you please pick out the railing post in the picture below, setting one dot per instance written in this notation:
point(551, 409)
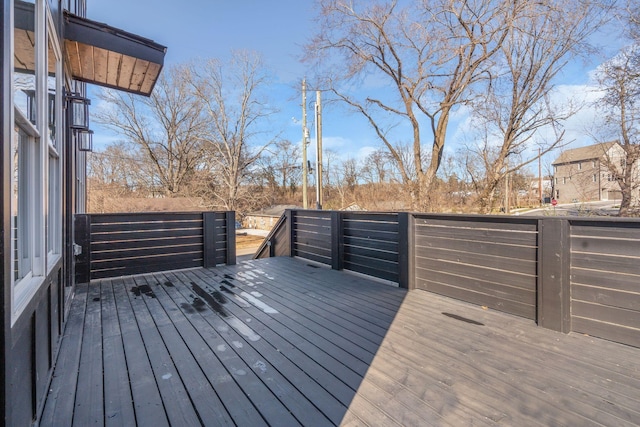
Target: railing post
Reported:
point(289, 215)
point(406, 251)
point(82, 247)
point(231, 237)
point(553, 274)
point(209, 236)
point(337, 241)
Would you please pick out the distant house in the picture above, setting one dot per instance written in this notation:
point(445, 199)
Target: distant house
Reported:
point(265, 219)
point(583, 174)
point(547, 187)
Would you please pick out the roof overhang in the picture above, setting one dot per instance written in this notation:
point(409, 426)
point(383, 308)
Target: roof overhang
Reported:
point(106, 56)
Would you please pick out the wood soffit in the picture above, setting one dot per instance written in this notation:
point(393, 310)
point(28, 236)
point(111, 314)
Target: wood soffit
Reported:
point(106, 56)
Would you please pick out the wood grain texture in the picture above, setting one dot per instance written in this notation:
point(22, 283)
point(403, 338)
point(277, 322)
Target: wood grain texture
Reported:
point(605, 280)
point(279, 341)
point(485, 261)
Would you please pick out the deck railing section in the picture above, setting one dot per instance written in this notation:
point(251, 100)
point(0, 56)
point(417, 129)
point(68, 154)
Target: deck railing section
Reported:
point(567, 274)
point(110, 245)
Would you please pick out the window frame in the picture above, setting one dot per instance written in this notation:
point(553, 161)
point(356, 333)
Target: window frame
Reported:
point(34, 169)
point(54, 244)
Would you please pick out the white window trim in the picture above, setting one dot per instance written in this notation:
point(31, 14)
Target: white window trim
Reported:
point(54, 251)
point(24, 289)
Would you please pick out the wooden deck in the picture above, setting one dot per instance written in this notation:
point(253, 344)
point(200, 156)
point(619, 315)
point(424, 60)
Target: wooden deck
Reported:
point(280, 342)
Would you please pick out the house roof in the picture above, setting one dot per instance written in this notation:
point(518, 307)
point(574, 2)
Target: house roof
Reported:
point(589, 152)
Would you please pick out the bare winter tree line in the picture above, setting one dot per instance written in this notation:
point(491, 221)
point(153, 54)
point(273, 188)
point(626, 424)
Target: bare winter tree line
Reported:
point(406, 67)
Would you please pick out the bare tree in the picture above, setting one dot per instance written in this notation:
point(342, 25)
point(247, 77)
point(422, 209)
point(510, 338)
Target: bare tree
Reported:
point(111, 174)
point(233, 96)
point(620, 105)
point(375, 167)
point(430, 52)
point(167, 127)
point(280, 167)
point(516, 103)
point(345, 178)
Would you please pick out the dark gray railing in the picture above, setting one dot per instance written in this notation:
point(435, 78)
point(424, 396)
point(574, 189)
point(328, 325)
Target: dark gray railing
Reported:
point(567, 274)
point(113, 245)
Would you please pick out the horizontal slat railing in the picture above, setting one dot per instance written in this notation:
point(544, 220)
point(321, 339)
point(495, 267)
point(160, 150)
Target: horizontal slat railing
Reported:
point(605, 279)
point(567, 274)
point(131, 243)
point(490, 261)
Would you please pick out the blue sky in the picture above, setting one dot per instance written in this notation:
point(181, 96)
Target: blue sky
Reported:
point(277, 29)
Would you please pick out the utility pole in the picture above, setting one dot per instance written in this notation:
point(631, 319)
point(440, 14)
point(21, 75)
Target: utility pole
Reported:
point(539, 177)
point(305, 141)
point(318, 151)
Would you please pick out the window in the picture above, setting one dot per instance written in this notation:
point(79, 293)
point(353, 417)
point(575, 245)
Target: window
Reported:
point(593, 164)
point(25, 208)
point(34, 133)
point(564, 179)
point(580, 166)
point(595, 178)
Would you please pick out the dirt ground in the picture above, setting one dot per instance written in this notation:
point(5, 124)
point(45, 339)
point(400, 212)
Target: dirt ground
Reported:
point(244, 241)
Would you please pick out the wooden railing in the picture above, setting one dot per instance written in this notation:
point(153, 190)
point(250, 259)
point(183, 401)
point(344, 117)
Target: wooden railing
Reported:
point(111, 245)
point(567, 274)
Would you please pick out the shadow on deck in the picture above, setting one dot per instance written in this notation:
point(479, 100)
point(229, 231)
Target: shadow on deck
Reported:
point(280, 342)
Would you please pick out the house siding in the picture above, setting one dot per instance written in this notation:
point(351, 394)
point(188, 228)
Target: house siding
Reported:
point(581, 175)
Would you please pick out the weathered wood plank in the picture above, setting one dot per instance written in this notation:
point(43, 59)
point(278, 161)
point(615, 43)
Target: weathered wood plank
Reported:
point(428, 267)
point(605, 279)
point(522, 225)
point(372, 253)
point(495, 262)
point(118, 402)
point(58, 409)
point(88, 409)
point(147, 399)
point(160, 226)
point(135, 263)
point(610, 246)
point(612, 332)
point(388, 227)
point(229, 376)
point(143, 235)
point(134, 217)
point(146, 243)
point(479, 234)
point(372, 234)
point(469, 295)
point(361, 242)
point(613, 231)
point(265, 382)
point(607, 296)
point(426, 242)
point(430, 360)
point(605, 262)
point(320, 397)
point(137, 252)
point(186, 393)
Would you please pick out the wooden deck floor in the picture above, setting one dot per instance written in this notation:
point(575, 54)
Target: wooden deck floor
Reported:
point(279, 342)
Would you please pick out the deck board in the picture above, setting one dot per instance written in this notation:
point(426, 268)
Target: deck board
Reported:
point(280, 341)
